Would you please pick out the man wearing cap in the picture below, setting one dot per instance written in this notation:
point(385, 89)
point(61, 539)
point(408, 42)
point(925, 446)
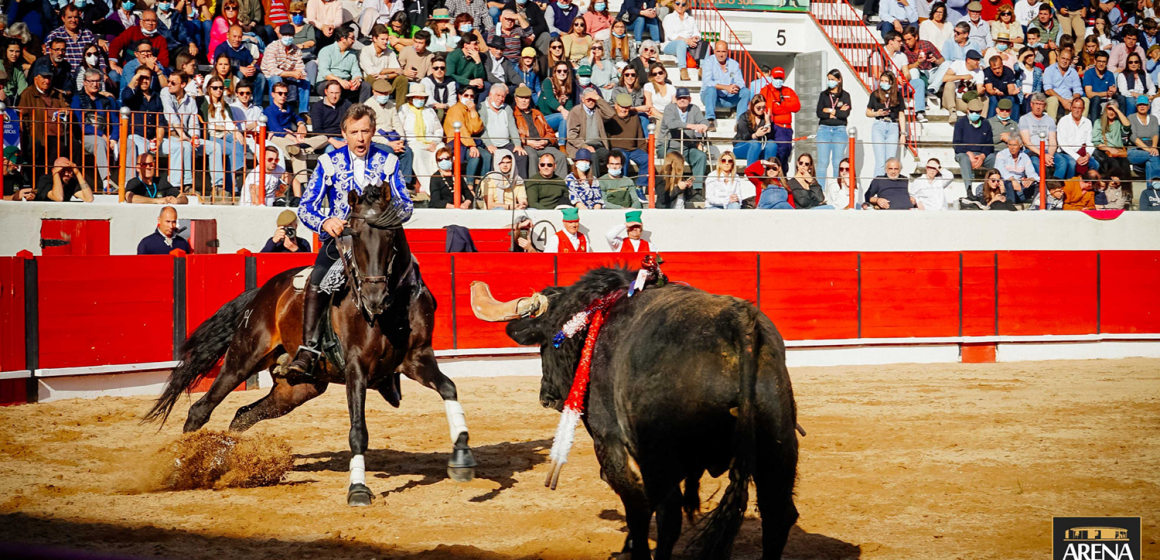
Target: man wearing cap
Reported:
point(283, 62)
point(164, 239)
point(386, 113)
point(569, 239)
point(980, 29)
point(325, 209)
point(150, 188)
point(682, 130)
point(781, 102)
point(896, 15)
point(379, 62)
point(16, 186)
point(626, 134)
point(963, 77)
point(1061, 83)
point(585, 127)
point(40, 105)
point(63, 183)
point(536, 136)
point(722, 83)
point(973, 142)
point(499, 69)
point(285, 239)
point(625, 238)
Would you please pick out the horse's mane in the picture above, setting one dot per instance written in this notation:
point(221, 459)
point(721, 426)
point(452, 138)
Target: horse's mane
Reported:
point(386, 213)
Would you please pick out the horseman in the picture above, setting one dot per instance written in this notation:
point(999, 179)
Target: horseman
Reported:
point(351, 168)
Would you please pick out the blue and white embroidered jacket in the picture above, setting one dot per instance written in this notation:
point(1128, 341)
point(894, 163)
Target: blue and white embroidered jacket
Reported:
point(335, 178)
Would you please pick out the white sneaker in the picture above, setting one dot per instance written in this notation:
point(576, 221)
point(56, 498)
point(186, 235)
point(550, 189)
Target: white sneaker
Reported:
point(921, 117)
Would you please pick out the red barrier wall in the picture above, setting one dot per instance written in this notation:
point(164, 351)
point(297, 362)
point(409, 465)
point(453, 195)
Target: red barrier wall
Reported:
point(1047, 292)
point(509, 276)
point(105, 310)
point(211, 281)
point(84, 237)
point(910, 294)
point(436, 271)
point(1124, 307)
point(12, 391)
point(979, 294)
point(811, 296)
point(270, 264)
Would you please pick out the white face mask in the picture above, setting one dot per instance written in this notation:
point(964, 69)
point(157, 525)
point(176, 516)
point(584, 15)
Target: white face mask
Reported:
point(583, 166)
point(383, 99)
point(91, 59)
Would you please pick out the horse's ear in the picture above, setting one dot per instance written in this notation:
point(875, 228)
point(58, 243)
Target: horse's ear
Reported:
point(386, 191)
point(352, 198)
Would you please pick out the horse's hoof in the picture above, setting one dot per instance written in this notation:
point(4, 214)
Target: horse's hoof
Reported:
point(461, 474)
point(359, 495)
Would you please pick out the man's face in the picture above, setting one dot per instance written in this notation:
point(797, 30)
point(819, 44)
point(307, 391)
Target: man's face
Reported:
point(333, 93)
point(1014, 147)
point(961, 37)
point(149, 22)
point(893, 168)
point(895, 44)
point(1077, 109)
point(621, 112)
point(522, 103)
point(1044, 16)
point(495, 96)
point(146, 81)
point(146, 169)
point(590, 101)
point(547, 166)
point(167, 222)
point(681, 6)
point(67, 174)
point(271, 162)
point(507, 23)
point(614, 164)
point(910, 40)
point(420, 46)
point(721, 51)
point(975, 16)
point(932, 169)
point(1086, 184)
point(1130, 42)
point(972, 64)
point(358, 136)
point(382, 41)
point(683, 103)
point(1032, 39)
point(144, 53)
point(176, 88)
point(470, 48)
point(634, 231)
point(42, 83)
point(235, 37)
point(56, 52)
point(92, 85)
point(505, 165)
point(1037, 107)
point(572, 227)
point(1101, 63)
point(72, 20)
point(245, 96)
point(997, 66)
point(467, 98)
point(1064, 61)
point(279, 96)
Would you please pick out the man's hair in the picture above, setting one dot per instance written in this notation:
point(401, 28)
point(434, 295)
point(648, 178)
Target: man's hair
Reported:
point(332, 83)
point(890, 36)
point(57, 40)
point(546, 154)
point(246, 83)
point(141, 159)
point(502, 87)
point(439, 57)
point(92, 72)
point(280, 85)
point(963, 26)
point(1039, 96)
point(380, 29)
point(911, 30)
point(423, 35)
point(181, 76)
point(138, 44)
point(619, 155)
point(167, 209)
point(1092, 175)
point(1129, 31)
point(1149, 24)
point(273, 149)
point(895, 160)
point(68, 8)
point(1030, 30)
point(345, 29)
point(935, 160)
point(1014, 139)
point(1102, 54)
point(358, 112)
point(1067, 50)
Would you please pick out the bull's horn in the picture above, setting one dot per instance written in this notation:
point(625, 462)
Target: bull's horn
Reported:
point(486, 307)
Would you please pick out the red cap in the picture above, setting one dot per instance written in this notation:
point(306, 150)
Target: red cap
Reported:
point(778, 72)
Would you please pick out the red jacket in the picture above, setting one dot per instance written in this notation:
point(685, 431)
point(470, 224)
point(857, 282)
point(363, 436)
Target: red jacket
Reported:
point(132, 36)
point(781, 104)
point(756, 174)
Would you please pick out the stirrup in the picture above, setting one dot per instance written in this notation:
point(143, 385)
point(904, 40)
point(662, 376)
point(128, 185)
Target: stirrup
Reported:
point(304, 365)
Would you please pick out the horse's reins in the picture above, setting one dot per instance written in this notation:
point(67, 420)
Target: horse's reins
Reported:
point(357, 279)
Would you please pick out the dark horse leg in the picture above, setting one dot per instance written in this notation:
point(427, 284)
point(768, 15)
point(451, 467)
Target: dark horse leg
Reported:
point(283, 398)
point(422, 367)
point(358, 494)
point(241, 361)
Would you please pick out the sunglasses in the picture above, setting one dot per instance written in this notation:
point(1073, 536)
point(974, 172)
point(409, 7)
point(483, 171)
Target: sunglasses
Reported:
point(726, 160)
point(438, 67)
point(630, 74)
point(547, 165)
point(215, 88)
point(467, 96)
point(556, 46)
point(562, 72)
point(804, 164)
point(658, 73)
point(443, 159)
point(844, 168)
point(240, 93)
point(273, 159)
point(230, 8)
point(277, 93)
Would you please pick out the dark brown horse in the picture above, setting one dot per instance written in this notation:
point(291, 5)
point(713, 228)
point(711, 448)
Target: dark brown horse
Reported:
point(383, 317)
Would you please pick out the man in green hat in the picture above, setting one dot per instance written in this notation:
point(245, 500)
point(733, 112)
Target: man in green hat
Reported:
point(569, 240)
point(16, 186)
point(625, 238)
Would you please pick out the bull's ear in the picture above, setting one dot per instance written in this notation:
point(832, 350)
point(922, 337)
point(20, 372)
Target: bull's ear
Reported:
point(527, 332)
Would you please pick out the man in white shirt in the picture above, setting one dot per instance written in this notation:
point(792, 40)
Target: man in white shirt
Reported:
point(1074, 134)
point(181, 115)
point(276, 177)
point(929, 191)
point(1025, 11)
point(246, 112)
point(683, 33)
point(570, 240)
point(965, 75)
point(625, 238)
point(379, 62)
point(980, 29)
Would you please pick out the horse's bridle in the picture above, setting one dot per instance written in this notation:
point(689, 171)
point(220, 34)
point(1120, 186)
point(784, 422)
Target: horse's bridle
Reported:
point(357, 279)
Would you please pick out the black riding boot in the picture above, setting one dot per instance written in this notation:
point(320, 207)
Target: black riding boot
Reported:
point(312, 307)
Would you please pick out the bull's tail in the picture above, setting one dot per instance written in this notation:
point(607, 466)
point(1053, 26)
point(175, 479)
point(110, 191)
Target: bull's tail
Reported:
point(719, 528)
point(200, 353)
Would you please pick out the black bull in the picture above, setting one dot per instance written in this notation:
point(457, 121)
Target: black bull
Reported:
point(683, 382)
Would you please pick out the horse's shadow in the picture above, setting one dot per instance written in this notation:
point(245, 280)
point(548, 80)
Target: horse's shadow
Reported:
point(498, 463)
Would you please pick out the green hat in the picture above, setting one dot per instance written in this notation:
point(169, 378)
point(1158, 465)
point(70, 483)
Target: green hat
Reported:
point(571, 214)
point(633, 217)
point(585, 70)
point(624, 100)
point(11, 153)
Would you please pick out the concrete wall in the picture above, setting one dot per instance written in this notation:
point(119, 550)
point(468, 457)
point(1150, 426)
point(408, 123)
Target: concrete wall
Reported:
point(669, 230)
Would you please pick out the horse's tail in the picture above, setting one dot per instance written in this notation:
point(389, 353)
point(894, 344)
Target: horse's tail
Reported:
point(715, 538)
point(200, 353)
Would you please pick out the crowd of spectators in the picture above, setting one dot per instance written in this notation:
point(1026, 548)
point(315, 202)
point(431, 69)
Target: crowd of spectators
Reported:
point(554, 102)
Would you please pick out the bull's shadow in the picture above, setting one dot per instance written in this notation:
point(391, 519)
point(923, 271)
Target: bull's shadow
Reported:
point(498, 462)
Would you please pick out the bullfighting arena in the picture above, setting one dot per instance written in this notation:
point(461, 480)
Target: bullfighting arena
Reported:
point(901, 461)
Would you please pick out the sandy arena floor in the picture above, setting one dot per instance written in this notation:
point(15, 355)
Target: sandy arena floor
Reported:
point(948, 461)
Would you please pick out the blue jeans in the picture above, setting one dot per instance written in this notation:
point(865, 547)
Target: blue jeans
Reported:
point(677, 47)
point(494, 13)
point(712, 97)
point(833, 143)
point(180, 171)
point(218, 149)
point(654, 28)
point(1151, 163)
point(783, 138)
point(558, 123)
point(474, 168)
point(641, 160)
point(774, 198)
point(299, 89)
point(1065, 165)
point(919, 88)
point(753, 150)
point(644, 124)
point(1015, 196)
point(885, 27)
point(884, 139)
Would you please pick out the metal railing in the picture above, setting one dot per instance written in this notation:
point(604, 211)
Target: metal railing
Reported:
point(863, 53)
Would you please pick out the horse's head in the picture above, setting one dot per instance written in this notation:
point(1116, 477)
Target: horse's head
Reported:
point(376, 228)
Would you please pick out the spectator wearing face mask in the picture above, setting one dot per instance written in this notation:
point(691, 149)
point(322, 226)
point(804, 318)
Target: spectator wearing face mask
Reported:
point(283, 62)
point(442, 184)
point(974, 142)
point(618, 190)
point(76, 38)
point(146, 30)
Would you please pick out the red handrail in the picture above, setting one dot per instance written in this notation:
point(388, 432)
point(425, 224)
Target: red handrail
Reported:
point(859, 47)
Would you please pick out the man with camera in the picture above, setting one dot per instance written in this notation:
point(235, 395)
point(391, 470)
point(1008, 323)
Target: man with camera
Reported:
point(286, 238)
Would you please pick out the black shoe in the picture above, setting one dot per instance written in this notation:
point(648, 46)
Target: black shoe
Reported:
point(312, 307)
point(713, 125)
